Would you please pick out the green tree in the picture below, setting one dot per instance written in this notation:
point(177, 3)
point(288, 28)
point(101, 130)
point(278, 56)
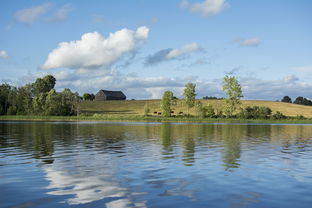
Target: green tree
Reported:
point(200, 109)
point(233, 90)
point(4, 94)
point(189, 95)
point(286, 99)
point(52, 104)
point(38, 104)
point(44, 85)
point(87, 96)
point(146, 109)
point(69, 102)
point(166, 103)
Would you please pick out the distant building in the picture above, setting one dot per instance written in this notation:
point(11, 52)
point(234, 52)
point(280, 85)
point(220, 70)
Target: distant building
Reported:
point(109, 95)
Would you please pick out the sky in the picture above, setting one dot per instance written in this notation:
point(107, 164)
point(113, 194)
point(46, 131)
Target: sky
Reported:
point(145, 47)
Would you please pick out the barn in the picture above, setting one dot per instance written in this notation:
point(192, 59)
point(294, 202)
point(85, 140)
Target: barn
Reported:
point(109, 95)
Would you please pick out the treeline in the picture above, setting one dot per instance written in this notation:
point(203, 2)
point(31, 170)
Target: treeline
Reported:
point(231, 108)
point(38, 98)
point(299, 100)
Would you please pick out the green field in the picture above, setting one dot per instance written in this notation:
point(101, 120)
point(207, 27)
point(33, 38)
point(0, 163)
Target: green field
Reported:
point(135, 107)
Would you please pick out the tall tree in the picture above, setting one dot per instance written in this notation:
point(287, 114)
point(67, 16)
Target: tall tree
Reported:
point(4, 94)
point(233, 90)
point(44, 85)
point(189, 95)
point(166, 103)
point(286, 99)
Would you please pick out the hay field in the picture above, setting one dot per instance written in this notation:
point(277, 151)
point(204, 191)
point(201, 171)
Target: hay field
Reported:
point(135, 107)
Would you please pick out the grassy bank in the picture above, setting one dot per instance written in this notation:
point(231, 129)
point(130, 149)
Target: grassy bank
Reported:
point(147, 119)
point(135, 107)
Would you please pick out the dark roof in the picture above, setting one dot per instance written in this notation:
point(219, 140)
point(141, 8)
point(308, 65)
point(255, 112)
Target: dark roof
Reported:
point(113, 93)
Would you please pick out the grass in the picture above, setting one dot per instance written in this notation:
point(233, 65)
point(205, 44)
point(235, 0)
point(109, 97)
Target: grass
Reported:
point(136, 107)
point(98, 117)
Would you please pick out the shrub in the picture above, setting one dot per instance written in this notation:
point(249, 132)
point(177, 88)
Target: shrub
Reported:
point(210, 112)
point(255, 112)
point(204, 111)
point(278, 115)
point(200, 110)
point(300, 117)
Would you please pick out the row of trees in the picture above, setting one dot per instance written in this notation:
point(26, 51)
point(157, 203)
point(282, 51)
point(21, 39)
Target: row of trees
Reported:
point(299, 100)
point(38, 98)
point(231, 87)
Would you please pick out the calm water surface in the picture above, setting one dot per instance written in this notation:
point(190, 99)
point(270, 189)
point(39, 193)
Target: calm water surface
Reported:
point(94, 164)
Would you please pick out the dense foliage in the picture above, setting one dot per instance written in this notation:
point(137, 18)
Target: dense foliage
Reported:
point(286, 99)
point(38, 98)
point(299, 100)
point(255, 112)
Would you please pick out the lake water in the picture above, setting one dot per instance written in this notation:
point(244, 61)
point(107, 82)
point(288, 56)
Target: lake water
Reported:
point(102, 164)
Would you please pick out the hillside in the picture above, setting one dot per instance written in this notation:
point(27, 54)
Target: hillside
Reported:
point(135, 107)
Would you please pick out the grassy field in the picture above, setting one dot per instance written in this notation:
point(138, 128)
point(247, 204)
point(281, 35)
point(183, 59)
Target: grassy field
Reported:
point(135, 107)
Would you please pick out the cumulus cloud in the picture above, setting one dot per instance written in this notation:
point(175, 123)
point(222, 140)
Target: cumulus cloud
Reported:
point(169, 54)
point(61, 13)
point(4, 54)
point(252, 42)
point(206, 7)
point(93, 50)
point(29, 15)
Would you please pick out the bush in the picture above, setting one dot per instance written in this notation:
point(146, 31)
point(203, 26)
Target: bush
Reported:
point(200, 110)
point(300, 117)
point(204, 111)
point(255, 112)
point(278, 115)
point(210, 112)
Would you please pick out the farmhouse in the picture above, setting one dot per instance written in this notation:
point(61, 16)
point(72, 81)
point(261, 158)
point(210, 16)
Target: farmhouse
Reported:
point(109, 95)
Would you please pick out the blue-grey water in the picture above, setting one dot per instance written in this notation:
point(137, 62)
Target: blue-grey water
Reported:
point(100, 164)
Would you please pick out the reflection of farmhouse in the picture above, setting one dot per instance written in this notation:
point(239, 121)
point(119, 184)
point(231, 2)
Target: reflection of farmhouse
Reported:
point(109, 95)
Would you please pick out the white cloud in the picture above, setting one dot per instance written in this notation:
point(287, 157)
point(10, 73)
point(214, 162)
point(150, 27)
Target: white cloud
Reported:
point(61, 14)
point(188, 48)
point(29, 15)
point(169, 54)
point(205, 8)
point(4, 54)
point(304, 69)
point(184, 4)
point(94, 50)
point(252, 42)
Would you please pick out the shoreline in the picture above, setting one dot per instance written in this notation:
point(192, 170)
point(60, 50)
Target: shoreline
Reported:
point(120, 118)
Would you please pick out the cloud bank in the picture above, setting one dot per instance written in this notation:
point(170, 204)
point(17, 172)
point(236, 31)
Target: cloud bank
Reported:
point(93, 50)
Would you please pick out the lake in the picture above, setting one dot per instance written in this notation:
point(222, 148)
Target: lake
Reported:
point(107, 164)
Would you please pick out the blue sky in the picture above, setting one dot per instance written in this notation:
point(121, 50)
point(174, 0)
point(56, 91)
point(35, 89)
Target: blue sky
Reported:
point(160, 45)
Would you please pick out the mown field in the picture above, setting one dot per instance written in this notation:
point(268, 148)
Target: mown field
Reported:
point(135, 107)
